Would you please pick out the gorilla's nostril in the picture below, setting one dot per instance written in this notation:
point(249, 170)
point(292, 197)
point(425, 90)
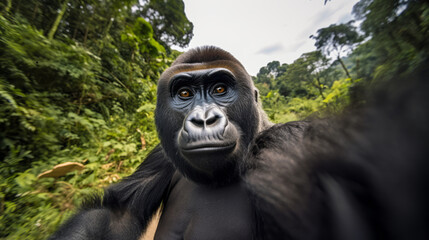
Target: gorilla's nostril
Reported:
point(205, 119)
point(198, 122)
point(201, 120)
point(213, 117)
point(212, 120)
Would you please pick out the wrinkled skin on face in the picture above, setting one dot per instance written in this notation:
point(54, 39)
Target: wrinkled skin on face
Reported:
point(207, 115)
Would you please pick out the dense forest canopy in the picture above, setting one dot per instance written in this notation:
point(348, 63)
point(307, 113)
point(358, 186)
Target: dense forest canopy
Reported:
point(391, 39)
point(78, 81)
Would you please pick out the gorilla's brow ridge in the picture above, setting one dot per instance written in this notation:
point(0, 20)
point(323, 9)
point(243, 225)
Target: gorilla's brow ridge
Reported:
point(209, 75)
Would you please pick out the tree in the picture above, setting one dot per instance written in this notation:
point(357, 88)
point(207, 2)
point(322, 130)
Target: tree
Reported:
point(398, 31)
point(58, 20)
point(96, 19)
point(275, 69)
point(77, 83)
point(7, 6)
point(307, 72)
point(317, 64)
point(338, 39)
point(268, 74)
point(171, 26)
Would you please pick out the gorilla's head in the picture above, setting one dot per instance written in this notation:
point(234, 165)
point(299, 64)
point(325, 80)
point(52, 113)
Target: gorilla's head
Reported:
point(207, 115)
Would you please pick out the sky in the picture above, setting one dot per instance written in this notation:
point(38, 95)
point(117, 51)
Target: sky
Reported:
point(257, 32)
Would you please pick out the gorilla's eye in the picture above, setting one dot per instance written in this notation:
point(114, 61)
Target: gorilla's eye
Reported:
point(185, 93)
point(219, 89)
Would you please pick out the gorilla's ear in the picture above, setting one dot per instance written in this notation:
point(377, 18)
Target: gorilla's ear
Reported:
point(256, 95)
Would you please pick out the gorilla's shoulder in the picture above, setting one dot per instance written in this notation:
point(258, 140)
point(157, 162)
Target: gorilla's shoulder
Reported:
point(279, 135)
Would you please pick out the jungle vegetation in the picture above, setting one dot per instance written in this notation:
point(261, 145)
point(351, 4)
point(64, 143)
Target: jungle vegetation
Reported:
point(78, 89)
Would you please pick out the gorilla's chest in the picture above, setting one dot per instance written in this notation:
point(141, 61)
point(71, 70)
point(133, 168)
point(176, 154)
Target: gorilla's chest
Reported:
point(199, 212)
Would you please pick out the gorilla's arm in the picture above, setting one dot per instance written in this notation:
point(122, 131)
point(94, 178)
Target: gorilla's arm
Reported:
point(126, 208)
point(305, 186)
point(360, 176)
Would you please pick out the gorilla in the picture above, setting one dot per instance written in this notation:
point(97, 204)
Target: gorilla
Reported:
point(223, 171)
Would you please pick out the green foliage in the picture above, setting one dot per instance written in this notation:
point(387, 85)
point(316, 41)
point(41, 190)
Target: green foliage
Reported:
point(398, 32)
point(140, 37)
point(301, 89)
point(72, 91)
point(306, 75)
point(172, 27)
point(78, 82)
point(336, 38)
point(281, 109)
point(396, 43)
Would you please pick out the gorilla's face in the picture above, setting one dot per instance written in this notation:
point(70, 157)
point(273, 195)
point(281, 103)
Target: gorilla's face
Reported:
point(206, 119)
point(207, 137)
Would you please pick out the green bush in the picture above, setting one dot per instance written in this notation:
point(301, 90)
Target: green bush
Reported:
point(60, 102)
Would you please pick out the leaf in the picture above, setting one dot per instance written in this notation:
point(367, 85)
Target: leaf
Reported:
point(329, 97)
point(25, 180)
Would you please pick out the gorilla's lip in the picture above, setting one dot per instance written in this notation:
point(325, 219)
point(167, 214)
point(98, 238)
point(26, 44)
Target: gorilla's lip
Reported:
point(209, 147)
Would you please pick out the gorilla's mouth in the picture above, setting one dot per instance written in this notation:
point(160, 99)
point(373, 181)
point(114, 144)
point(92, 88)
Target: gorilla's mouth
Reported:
point(209, 144)
point(208, 156)
point(210, 147)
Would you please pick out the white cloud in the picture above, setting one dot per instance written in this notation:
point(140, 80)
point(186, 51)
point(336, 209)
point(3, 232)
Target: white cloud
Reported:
point(260, 31)
point(272, 49)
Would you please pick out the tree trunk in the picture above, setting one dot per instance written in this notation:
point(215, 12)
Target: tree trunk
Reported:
point(394, 41)
point(85, 37)
point(319, 87)
point(344, 67)
point(17, 6)
point(36, 8)
point(74, 32)
point(60, 15)
point(106, 31)
point(358, 68)
point(8, 6)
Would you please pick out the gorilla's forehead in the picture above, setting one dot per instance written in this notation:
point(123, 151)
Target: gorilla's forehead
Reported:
point(193, 69)
point(202, 73)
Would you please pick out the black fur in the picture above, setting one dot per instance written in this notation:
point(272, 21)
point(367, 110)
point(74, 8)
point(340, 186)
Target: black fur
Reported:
point(170, 117)
point(357, 176)
point(126, 207)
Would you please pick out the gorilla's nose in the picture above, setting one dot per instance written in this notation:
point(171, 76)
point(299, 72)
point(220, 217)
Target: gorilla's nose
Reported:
point(202, 119)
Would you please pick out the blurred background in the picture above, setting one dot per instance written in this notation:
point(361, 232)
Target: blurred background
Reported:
point(78, 80)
